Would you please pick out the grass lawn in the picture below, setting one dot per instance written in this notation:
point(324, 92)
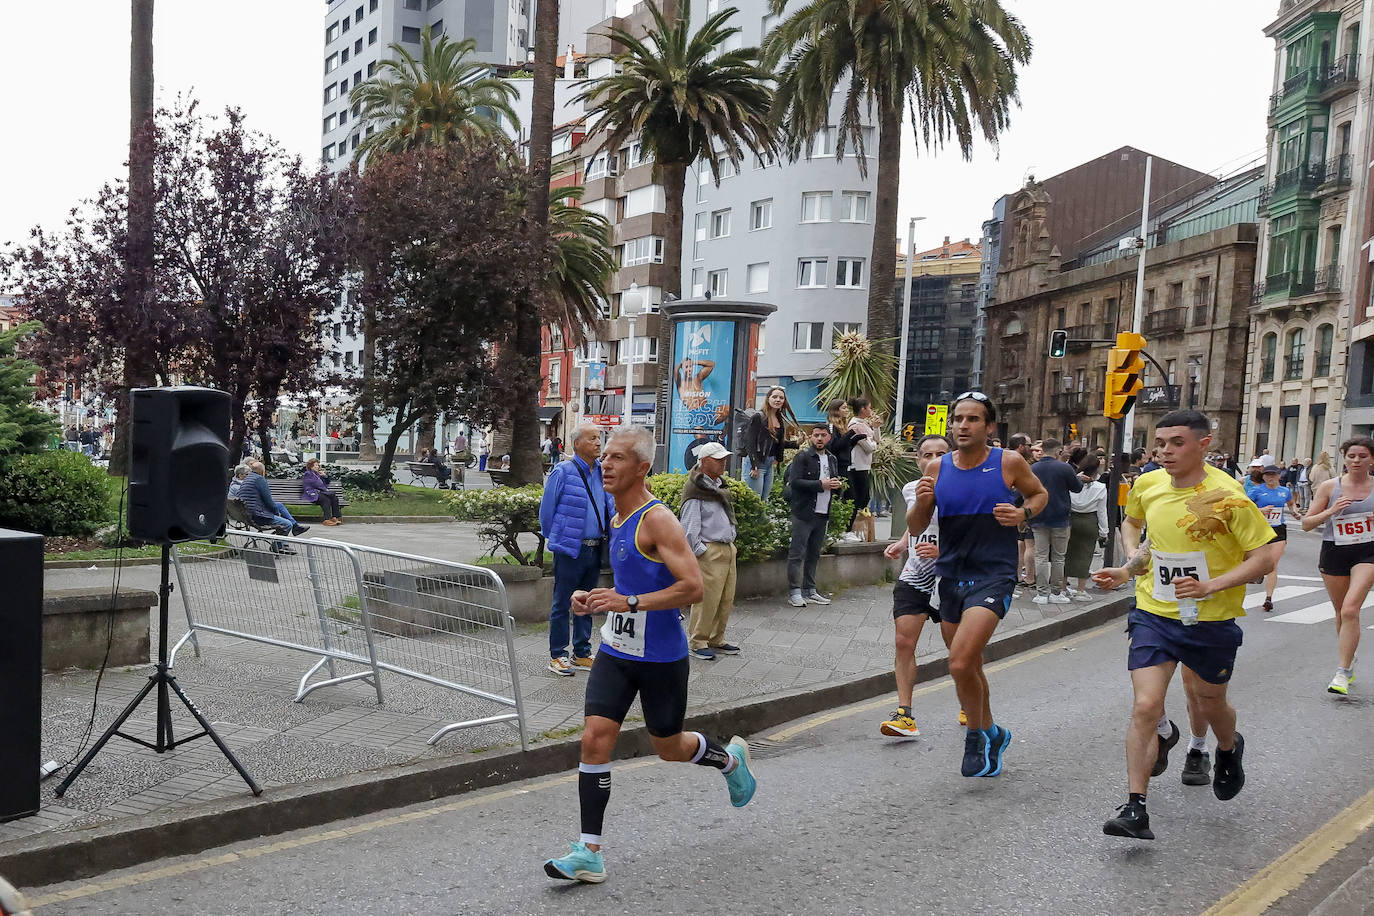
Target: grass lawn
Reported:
point(407, 501)
point(129, 553)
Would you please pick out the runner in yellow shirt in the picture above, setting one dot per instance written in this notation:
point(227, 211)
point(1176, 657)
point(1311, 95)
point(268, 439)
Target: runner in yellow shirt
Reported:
point(1207, 540)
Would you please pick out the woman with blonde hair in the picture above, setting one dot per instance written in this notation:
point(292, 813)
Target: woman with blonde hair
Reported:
point(1321, 472)
point(766, 439)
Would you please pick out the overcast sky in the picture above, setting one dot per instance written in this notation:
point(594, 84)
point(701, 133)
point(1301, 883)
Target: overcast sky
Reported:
point(1188, 80)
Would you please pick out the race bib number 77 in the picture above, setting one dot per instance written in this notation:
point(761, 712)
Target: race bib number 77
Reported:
point(1171, 566)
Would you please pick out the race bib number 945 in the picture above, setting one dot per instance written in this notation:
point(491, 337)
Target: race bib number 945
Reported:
point(1171, 566)
point(1354, 529)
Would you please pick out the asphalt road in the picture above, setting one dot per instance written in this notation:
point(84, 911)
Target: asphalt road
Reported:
point(846, 821)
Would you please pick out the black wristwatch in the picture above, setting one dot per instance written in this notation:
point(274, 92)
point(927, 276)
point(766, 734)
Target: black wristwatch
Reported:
point(1027, 510)
point(633, 602)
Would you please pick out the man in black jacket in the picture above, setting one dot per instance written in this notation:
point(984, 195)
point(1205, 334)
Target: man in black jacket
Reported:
point(813, 479)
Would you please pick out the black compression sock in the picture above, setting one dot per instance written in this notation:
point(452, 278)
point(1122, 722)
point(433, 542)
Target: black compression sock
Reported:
point(711, 754)
point(594, 794)
point(1136, 798)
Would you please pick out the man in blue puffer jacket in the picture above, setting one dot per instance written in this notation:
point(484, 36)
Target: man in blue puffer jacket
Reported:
point(575, 514)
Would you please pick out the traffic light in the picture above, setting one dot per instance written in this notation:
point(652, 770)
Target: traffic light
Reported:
point(1073, 430)
point(1059, 344)
point(1125, 365)
point(909, 432)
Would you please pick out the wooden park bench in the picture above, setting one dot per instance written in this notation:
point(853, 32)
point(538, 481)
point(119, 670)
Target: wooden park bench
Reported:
point(423, 470)
point(289, 492)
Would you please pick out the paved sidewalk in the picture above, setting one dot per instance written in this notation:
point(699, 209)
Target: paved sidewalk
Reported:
point(246, 690)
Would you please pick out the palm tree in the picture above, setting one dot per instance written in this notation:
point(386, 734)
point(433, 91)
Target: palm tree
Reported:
point(583, 262)
point(444, 97)
point(688, 101)
point(952, 62)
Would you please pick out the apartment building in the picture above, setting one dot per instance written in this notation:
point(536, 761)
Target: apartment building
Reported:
point(1302, 316)
point(944, 296)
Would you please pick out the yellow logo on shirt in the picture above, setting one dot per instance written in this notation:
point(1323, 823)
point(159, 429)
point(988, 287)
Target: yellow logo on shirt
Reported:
point(1209, 513)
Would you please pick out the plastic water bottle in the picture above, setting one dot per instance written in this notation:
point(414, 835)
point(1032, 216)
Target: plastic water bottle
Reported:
point(1187, 611)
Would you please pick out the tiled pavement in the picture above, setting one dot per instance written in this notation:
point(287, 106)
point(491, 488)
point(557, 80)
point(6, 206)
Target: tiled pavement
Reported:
point(246, 690)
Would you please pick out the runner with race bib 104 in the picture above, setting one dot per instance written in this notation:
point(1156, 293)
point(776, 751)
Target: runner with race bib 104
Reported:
point(643, 651)
point(1275, 502)
point(1344, 507)
point(1206, 542)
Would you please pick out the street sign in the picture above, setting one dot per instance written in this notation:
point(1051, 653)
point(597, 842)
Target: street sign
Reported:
point(604, 420)
point(936, 416)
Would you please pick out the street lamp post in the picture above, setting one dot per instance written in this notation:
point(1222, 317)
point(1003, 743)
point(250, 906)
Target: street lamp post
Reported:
point(629, 308)
point(906, 325)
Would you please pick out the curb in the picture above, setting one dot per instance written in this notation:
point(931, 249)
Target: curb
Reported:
point(68, 855)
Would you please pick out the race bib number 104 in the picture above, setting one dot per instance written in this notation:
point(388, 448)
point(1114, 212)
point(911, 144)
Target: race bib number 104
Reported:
point(1171, 566)
point(625, 633)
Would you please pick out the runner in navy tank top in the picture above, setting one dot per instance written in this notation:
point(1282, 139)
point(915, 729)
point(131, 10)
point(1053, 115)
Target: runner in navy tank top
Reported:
point(974, 489)
point(643, 652)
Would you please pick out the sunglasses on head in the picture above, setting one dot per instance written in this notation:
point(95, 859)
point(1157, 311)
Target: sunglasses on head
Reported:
point(975, 395)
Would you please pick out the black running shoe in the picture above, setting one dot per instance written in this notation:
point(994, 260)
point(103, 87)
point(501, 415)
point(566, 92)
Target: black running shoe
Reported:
point(975, 753)
point(1229, 777)
point(1197, 769)
point(1165, 745)
point(1131, 821)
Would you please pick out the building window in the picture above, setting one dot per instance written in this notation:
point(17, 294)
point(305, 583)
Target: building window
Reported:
point(697, 287)
point(761, 214)
point(1150, 299)
point(1292, 364)
point(372, 7)
point(840, 328)
point(434, 3)
point(807, 336)
point(823, 144)
point(343, 116)
point(437, 29)
point(357, 47)
point(330, 122)
point(641, 350)
point(1202, 301)
point(414, 4)
point(1175, 295)
point(715, 282)
point(720, 224)
point(756, 278)
point(344, 24)
point(331, 33)
point(555, 377)
point(811, 272)
point(849, 272)
point(331, 92)
point(353, 143)
point(1325, 335)
point(635, 154)
point(358, 14)
point(599, 166)
point(327, 154)
point(410, 34)
point(816, 207)
point(343, 56)
point(854, 207)
point(372, 37)
point(331, 63)
point(644, 250)
point(1268, 352)
point(371, 68)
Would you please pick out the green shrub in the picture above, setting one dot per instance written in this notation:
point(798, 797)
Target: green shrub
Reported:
point(841, 513)
point(354, 480)
point(757, 533)
point(57, 493)
point(504, 513)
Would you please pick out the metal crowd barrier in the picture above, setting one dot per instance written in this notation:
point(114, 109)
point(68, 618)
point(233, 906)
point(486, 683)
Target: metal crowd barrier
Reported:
point(442, 623)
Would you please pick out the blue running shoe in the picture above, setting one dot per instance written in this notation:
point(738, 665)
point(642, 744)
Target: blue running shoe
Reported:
point(976, 761)
point(741, 782)
point(997, 744)
point(579, 865)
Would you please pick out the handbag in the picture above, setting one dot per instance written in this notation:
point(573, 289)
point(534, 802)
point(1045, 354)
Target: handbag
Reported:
point(604, 523)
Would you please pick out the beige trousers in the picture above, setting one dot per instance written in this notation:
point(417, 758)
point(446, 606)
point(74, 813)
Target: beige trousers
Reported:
point(706, 625)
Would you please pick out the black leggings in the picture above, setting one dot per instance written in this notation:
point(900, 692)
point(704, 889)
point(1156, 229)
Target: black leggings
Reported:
point(859, 489)
point(329, 504)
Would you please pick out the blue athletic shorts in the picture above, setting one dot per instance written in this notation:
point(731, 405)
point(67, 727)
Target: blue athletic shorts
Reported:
point(993, 594)
point(1208, 649)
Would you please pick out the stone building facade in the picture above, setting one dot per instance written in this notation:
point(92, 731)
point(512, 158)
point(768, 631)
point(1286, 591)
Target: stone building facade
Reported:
point(1196, 317)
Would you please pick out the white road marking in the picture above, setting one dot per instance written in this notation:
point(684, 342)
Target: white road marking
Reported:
point(1282, 593)
point(1315, 613)
point(1302, 578)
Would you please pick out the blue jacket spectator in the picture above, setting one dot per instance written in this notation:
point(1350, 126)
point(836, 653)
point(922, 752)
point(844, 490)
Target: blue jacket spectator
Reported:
point(256, 497)
point(575, 515)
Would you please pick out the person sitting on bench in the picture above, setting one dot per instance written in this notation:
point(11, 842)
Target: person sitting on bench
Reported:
point(436, 460)
point(315, 489)
point(256, 497)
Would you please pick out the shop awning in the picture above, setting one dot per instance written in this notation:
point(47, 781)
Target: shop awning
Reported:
point(549, 414)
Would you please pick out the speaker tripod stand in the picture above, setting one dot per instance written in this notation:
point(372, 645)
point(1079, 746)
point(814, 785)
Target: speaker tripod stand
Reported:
point(163, 681)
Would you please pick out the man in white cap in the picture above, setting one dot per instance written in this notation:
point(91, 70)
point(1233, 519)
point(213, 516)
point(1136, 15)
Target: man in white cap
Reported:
point(708, 516)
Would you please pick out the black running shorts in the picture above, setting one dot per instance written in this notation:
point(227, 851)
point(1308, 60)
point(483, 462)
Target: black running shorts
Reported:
point(660, 686)
point(1339, 559)
point(908, 599)
point(1280, 533)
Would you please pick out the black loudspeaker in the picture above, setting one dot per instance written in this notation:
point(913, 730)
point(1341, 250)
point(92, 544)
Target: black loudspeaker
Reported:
point(178, 463)
point(21, 671)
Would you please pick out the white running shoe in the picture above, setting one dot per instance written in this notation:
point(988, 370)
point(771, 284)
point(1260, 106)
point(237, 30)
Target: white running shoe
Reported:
point(1040, 599)
point(1340, 683)
point(1059, 599)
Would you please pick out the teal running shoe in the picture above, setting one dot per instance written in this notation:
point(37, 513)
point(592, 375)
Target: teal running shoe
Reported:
point(741, 782)
point(579, 865)
point(998, 741)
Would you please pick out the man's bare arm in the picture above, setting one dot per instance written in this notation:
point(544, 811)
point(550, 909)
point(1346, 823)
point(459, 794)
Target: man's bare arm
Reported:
point(923, 509)
point(661, 533)
point(1023, 481)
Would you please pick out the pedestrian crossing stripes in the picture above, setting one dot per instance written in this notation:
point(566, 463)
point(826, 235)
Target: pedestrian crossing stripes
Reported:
point(1313, 613)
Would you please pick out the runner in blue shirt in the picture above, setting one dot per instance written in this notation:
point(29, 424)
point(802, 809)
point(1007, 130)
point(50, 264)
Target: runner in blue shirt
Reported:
point(643, 651)
point(1275, 502)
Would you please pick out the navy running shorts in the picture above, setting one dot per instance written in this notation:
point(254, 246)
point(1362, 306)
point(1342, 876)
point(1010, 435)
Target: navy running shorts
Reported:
point(908, 599)
point(992, 593)
point(661, 687)
point(1208, 648)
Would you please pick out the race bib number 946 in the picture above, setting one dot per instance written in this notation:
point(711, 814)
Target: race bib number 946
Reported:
point(1354, 529)
point(1170, 566)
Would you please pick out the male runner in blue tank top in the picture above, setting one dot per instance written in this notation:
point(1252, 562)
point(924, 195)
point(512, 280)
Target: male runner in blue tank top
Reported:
point(643, 651)
point(974, 488)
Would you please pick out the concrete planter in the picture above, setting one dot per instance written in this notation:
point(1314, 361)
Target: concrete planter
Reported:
point(849, 564)
point(75, 622)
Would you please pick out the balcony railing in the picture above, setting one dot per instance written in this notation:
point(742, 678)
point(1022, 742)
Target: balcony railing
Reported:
point(1159, 397)
point(1166, 321)
point(1328, 279)
point(1290, 283)
point(1292, 367)
point(1297, 83)
point(1267, 369)
point(1334, 173)
point(1342, 76)
point(1070, 402)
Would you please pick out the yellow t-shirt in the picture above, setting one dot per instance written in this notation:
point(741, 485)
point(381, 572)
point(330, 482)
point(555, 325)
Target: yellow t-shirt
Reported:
point(1202, 531)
